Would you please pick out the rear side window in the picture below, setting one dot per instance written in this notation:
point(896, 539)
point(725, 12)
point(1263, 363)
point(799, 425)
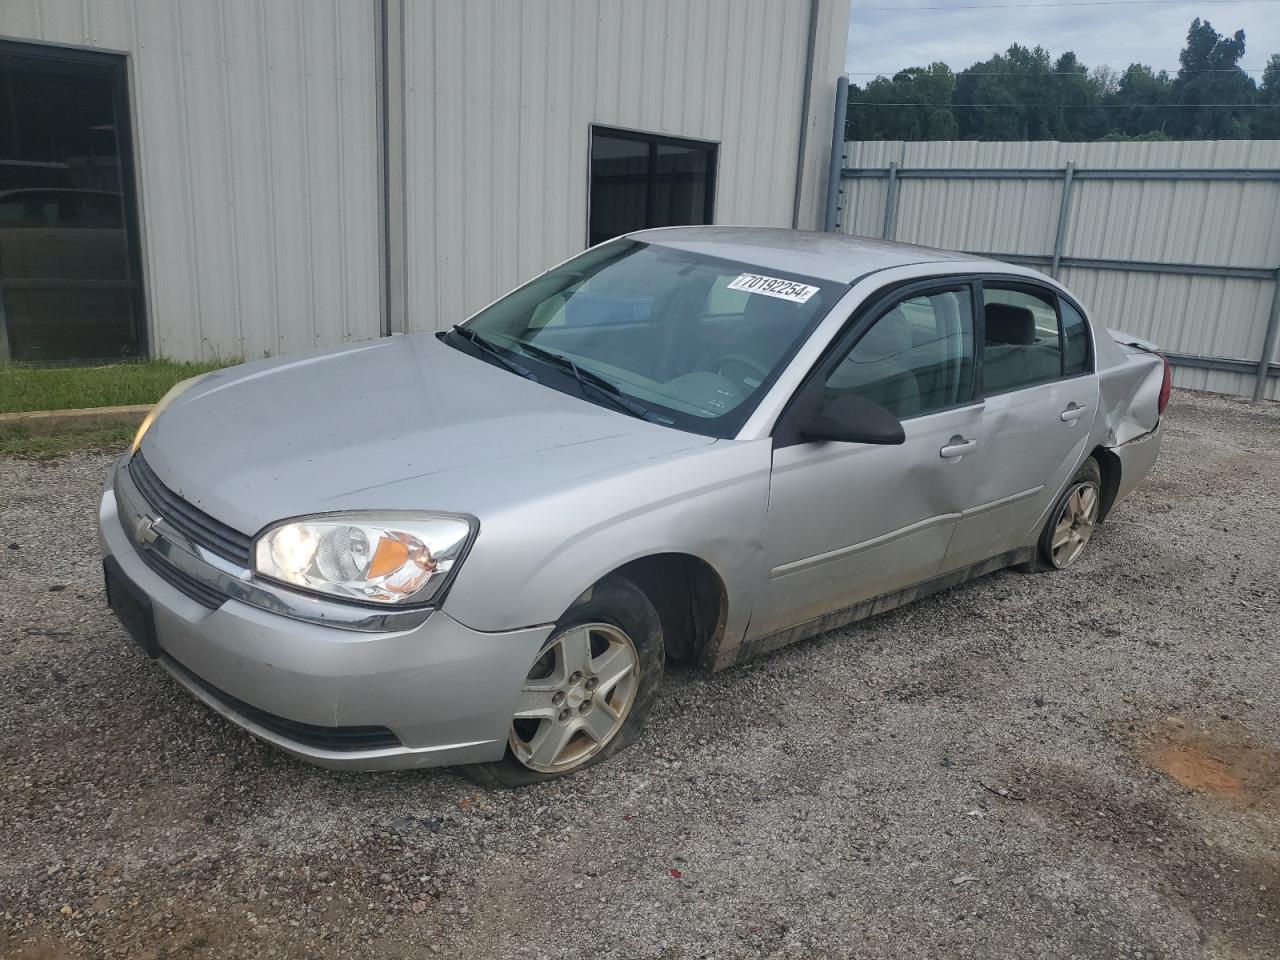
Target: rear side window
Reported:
point(1023, 344)
point(1075, 336)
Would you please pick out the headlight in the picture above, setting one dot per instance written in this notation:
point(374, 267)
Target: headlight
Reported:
point(179, 388)
point(371, 557)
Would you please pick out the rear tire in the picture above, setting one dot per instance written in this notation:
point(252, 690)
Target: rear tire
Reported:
point(588, 691)
point(1071, 521)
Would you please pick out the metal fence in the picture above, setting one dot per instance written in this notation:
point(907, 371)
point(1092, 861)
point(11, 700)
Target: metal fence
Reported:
point(1178, 242)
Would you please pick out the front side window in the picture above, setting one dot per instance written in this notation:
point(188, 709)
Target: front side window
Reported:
point(640, 180)
point(683, 339)
point(915, 359)
point(1023, 344)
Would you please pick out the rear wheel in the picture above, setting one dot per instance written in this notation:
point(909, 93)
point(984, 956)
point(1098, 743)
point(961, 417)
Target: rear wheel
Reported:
point(1071, 521)
point(588, 690)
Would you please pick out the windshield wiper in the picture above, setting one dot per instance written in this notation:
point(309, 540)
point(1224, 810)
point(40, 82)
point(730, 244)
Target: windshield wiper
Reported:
point(588, 378)
point(488, 347)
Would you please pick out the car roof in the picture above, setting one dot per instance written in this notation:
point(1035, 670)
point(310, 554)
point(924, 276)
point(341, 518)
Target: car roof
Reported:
point(824, 256)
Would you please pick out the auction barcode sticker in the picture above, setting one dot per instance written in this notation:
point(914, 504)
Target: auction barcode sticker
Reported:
point(773, 287)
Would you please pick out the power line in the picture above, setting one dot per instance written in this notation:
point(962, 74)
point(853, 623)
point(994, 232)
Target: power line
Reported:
point(1058, 3)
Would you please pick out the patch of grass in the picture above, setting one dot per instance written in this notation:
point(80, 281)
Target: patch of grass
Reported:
point(18, 442)
point(120, 384)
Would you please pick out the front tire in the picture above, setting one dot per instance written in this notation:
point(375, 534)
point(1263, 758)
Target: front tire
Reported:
point(588, 691)
point(1071, 521)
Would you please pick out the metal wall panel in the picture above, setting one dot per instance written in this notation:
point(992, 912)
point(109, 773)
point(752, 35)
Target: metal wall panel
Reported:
point(257, 162)
point(500, 98)
point(257, 151)
point(1209, 222)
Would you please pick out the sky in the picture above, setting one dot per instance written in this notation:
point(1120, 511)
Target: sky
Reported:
point(885, 35)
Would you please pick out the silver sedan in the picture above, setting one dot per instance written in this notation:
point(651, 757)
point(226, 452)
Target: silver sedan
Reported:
point(480, 547)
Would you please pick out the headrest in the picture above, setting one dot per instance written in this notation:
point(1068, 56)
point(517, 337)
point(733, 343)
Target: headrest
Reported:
point(890, 336)
point(1009, 324)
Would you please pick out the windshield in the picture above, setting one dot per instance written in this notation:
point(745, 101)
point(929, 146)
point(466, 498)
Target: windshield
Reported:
point(678, 338)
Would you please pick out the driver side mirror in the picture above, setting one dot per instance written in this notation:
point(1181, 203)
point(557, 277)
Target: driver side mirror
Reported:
point(853, 419)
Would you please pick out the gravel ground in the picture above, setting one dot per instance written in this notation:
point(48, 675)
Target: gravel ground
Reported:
point(1082, 764)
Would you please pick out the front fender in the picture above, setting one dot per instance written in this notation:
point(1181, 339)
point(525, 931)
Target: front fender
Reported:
point(532, 559)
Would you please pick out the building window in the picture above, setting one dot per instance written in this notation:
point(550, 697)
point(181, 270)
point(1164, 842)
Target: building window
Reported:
point(69, 277)
point(640, 180)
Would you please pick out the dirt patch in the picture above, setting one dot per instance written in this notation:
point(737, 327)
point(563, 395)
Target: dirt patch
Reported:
point(1205, 825)
point(1226, 876)
point(1196, 770)
point(1215, 758)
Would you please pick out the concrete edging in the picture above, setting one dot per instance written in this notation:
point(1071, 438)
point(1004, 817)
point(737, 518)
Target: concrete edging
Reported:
point(47, 422)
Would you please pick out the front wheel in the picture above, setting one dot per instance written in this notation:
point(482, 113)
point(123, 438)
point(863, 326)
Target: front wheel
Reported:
point(1071, 521)
point(588, 691)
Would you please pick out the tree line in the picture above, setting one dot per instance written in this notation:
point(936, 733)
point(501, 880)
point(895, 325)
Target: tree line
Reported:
point(1026, 94)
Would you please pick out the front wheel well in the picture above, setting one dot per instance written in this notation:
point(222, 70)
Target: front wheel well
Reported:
point(1109, 467)
point(689, 597)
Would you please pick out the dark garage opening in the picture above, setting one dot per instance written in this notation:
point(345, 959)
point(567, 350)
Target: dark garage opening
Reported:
point(69, 277)
point(641, 180)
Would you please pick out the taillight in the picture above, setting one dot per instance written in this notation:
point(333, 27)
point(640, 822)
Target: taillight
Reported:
point(1165, 386)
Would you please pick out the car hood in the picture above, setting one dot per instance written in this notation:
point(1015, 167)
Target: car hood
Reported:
point(402, 423)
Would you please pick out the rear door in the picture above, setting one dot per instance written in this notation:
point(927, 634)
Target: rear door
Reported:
point(1041, 396)
point(851, 521)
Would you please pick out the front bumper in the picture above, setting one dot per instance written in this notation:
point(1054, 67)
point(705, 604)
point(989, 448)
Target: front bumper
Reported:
point(446, 692)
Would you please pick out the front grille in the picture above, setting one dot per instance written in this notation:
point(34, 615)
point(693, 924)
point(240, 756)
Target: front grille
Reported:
point(201, 593)
point(309, 734)
point(193, 523)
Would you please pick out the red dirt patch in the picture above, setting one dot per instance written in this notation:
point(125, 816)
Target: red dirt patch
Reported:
point(1196, 770)
point(1222, 761)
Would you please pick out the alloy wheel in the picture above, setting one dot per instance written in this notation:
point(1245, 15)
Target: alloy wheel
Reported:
point(1075, 523)
point(576, 698)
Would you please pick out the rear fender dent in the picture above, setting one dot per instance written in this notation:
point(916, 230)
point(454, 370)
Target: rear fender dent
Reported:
point(1130, 394)
point(1135, 459)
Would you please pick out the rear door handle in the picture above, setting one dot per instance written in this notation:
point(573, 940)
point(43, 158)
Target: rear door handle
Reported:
point(1072, 413)
point(957, 446)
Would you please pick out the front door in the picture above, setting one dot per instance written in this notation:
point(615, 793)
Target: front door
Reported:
point(851, 521)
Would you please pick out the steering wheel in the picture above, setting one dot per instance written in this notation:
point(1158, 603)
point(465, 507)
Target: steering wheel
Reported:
point(756, 372)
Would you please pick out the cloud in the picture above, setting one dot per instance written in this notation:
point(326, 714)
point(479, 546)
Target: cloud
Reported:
point(885, 41)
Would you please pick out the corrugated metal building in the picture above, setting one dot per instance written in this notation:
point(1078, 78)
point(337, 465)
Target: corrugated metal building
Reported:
point(247, 177)
point(1176, 241)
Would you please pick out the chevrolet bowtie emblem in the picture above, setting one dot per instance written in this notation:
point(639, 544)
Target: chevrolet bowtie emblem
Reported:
point(144, 530)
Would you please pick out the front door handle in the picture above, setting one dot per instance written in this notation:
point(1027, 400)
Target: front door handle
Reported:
point(957, 446)
point(1073, 413)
